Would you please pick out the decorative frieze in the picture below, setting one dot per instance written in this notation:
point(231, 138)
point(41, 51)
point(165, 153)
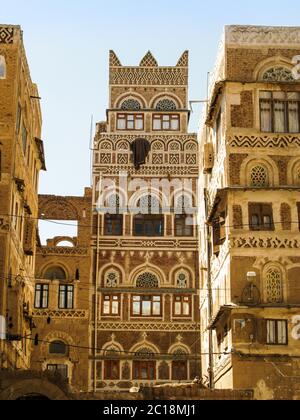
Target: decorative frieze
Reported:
point(183, 244)
point(44, 250)
point(262, 35)
point(40, 313)
point(264, 141)
point(115, 138)
point(153, 326)
point(153, 76)
point(155, 171)
point(265, 242)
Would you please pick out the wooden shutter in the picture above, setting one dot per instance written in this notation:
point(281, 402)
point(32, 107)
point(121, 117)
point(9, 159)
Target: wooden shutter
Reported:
point(254, 208)
point(222, 221)
point(14, 312)
point(216, 235)
point(267, 210)
point(261, 331)
point(29, 236)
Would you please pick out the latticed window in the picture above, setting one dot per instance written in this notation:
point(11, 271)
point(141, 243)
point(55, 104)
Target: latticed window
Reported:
point(113, 204)
point(147, 281)
point(182, 279)
point(144, 353)
point(149, 204)
point(184, 204)
point(278, 74)
point(166, 105)
point(259, 176)
point(112, 278)
point(131, 105)
point(274, 285)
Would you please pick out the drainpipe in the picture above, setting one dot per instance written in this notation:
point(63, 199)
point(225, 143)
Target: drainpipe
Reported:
point(210, 301)
point(96, 303)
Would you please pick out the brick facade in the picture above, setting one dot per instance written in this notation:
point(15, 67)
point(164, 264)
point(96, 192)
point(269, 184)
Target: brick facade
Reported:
point(252, 198)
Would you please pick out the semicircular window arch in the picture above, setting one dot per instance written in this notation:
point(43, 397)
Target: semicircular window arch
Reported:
point(166, 105)
point(112, 278)
point(147, 281)
point(131, 105)
point(55, 273)
point(259, 176)
point(58, 347)
point(278, 74)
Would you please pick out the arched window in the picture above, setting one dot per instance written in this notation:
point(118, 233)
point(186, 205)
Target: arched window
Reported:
point(58, 348)
point(180, 365)
point(274, 286)
point(166, 105)
point(297, 175)
point(113, 220)
point(131, 105)
point(144, 365)
point(259, 176)
point(182, 279)
point(65, 243)
point(278, 74)
point(112, 278)
point(147, 281)
point(184, 204)
point(150, 220)
point(112, 364)
point(149, 204)
point(55, 273)
point(113, 204)
point(2, 67)
point(184, 221)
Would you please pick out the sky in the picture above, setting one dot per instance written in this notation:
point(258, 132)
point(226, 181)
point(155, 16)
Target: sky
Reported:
point(68, 42)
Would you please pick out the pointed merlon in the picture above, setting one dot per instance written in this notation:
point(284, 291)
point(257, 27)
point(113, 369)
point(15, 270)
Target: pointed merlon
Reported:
point(114, 60)
point(183, 60)
point(148, 61)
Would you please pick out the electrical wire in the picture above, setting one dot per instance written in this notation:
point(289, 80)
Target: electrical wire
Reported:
point(132, 231)
point(190, 356)
point(91, 287)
